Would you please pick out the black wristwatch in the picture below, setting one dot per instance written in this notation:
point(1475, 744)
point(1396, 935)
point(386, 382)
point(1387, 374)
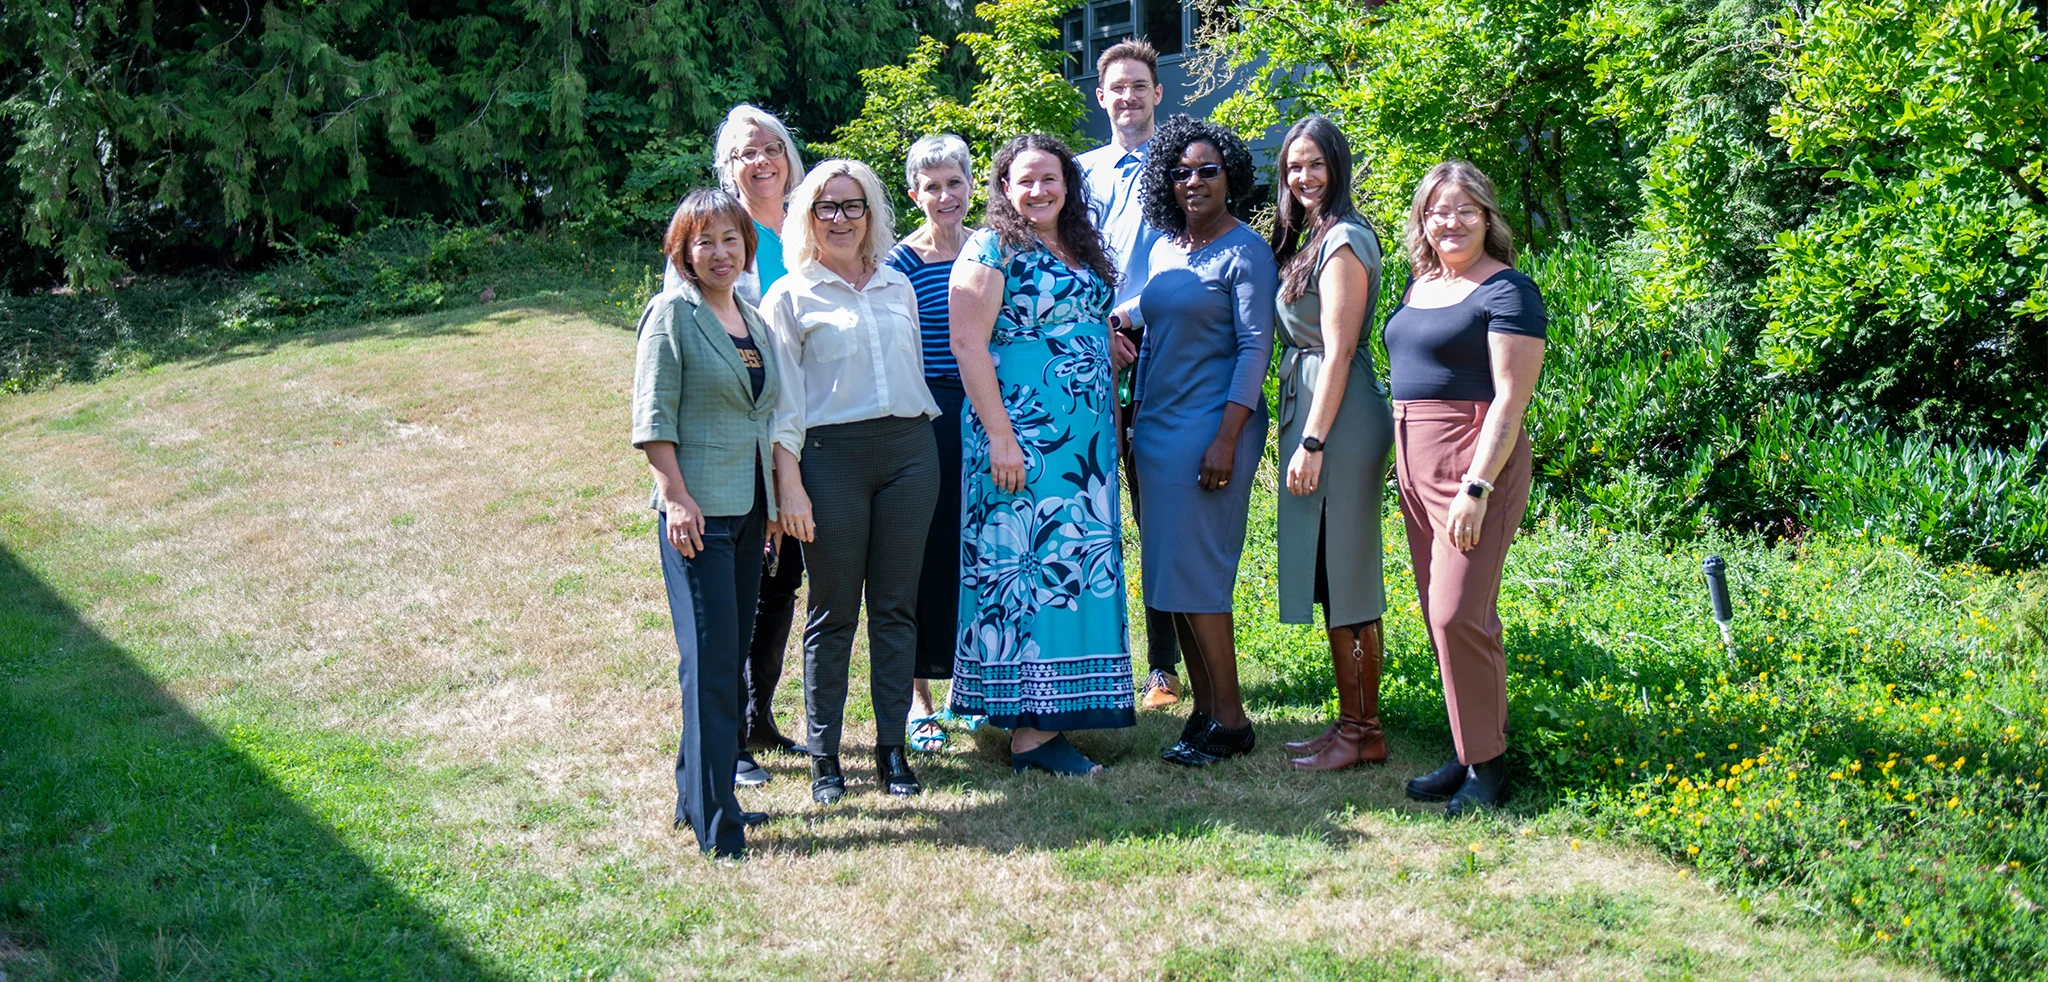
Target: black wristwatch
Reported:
point(1311, 444)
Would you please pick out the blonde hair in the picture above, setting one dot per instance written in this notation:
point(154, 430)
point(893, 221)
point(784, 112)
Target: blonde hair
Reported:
point(727, 141)
point(1500, 240)
point(800, 245)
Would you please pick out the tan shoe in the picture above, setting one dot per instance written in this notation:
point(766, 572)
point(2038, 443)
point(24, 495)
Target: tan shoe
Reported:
point(1161, 690)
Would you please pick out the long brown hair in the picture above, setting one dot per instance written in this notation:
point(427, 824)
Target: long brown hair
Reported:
point(1500, 241)
point(1076, 232)
point(1298, 262)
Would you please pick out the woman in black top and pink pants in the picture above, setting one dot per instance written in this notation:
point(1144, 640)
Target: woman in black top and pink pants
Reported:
point(1463, 353)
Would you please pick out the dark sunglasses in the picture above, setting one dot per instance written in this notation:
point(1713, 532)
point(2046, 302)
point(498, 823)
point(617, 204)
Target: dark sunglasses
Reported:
point(1207, 172)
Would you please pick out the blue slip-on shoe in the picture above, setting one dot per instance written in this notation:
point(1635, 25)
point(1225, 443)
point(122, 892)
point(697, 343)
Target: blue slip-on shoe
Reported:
point(1054, 756)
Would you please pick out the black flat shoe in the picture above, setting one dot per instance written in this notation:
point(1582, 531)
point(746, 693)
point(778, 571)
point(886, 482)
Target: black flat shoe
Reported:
point(827, 786)
point(750, 819)
point(749, 773)
point(892, 771)
point(1197, 722)
point(1215, 744)
point(1485, 790)
point(1439, 784)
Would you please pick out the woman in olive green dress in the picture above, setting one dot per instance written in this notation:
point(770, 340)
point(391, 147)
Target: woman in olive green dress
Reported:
point(1335, 432)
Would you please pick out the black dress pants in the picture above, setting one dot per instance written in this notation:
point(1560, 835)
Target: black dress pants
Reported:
point(873, 484)
point(772, 619)
point(711, 601)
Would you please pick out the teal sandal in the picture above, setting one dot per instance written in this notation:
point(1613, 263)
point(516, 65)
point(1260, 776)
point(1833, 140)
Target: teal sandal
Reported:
point(933, 739)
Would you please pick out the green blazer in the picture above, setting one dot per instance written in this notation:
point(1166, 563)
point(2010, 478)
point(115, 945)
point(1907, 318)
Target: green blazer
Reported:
point(690, 389)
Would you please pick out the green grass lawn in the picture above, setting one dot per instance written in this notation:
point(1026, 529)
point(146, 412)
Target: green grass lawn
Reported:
point(346, 657)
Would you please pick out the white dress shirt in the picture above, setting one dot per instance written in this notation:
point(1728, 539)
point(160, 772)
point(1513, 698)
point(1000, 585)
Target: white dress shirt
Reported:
point(844, 354)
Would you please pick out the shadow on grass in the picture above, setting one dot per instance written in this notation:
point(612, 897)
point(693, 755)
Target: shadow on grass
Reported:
point(1139, 798)
point(136, 842)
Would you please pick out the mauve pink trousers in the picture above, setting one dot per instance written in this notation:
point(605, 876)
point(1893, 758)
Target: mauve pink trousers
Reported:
point(1434, 440)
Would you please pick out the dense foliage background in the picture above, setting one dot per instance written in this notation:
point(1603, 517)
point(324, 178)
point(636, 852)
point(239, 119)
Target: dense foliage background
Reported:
point(155, 135)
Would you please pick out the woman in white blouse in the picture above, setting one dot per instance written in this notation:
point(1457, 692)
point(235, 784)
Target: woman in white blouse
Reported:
point(857, 469)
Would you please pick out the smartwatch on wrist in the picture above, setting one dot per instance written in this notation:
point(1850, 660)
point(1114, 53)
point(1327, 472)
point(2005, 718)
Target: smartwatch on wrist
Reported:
point(1311, 444)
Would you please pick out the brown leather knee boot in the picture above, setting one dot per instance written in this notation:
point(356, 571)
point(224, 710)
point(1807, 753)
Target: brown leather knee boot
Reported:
point(1356, 739)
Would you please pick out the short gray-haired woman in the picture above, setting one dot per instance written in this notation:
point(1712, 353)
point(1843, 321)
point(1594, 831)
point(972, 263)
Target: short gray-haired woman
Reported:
point(939, 174)
point(857, 470)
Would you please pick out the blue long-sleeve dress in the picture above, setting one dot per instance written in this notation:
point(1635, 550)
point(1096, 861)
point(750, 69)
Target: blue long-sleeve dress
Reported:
point(1208, 340)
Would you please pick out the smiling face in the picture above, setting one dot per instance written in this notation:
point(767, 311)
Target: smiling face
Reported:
point(840, 238)
point(1307, 173)
point(766, 178)
point(1129, 94)
point(1201, 199)
point(1036, 187)
point(716, 254)
point(1455, 226)
point(942, 194)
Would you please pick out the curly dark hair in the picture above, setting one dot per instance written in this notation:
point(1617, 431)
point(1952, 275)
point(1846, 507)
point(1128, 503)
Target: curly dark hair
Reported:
point(1179, 132)
point(1076, 232)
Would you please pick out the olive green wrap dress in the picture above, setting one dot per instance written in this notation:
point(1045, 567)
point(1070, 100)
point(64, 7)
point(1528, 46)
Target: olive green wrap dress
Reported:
point(1336, 527)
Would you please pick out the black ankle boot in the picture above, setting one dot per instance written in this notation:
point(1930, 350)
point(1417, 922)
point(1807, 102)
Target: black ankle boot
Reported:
point(827, 786)
point(1198, 721)
point(1439, 784)
point(892, 771)
point(1485, 790)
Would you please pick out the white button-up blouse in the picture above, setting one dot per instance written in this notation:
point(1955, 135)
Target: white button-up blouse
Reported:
point(844, 355)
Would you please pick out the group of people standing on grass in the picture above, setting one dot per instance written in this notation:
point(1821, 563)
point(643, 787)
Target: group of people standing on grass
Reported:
point(935, 426)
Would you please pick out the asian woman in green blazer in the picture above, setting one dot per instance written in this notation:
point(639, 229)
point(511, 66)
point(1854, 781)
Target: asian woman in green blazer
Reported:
point(704, 395)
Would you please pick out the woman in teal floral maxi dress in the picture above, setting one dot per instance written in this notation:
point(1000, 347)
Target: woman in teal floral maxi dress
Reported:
point(1043, 645)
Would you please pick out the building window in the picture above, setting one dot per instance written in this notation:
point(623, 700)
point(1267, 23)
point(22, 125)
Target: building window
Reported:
point(1092, 28)
point(1163, 25)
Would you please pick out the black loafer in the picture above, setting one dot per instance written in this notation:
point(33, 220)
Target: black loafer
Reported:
point(1485, 790)
point(1214, 744)
point(892, 771)
point(1439, 784)
point(827, 785)
point(750, 819)
point(1197, 722)
point(749, 773)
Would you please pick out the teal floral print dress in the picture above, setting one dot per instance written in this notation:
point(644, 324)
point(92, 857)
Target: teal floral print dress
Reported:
point(1043, 641)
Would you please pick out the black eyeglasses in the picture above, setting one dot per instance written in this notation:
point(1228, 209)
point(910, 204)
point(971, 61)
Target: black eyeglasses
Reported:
point(1207, 172)
point(854, 209)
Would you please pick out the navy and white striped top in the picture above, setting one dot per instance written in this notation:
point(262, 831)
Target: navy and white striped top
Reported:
point(929, 281)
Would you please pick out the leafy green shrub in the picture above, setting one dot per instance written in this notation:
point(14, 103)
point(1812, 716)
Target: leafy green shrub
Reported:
point(1644, 424)
point(1020, 90)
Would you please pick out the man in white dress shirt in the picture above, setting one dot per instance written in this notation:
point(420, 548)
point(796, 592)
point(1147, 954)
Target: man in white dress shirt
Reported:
point(1129, 90)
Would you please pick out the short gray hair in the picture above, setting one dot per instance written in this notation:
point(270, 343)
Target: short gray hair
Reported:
point(933, 152)
point(728, 140)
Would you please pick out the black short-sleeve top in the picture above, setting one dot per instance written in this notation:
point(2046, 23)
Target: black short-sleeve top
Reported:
point(1441, 352)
